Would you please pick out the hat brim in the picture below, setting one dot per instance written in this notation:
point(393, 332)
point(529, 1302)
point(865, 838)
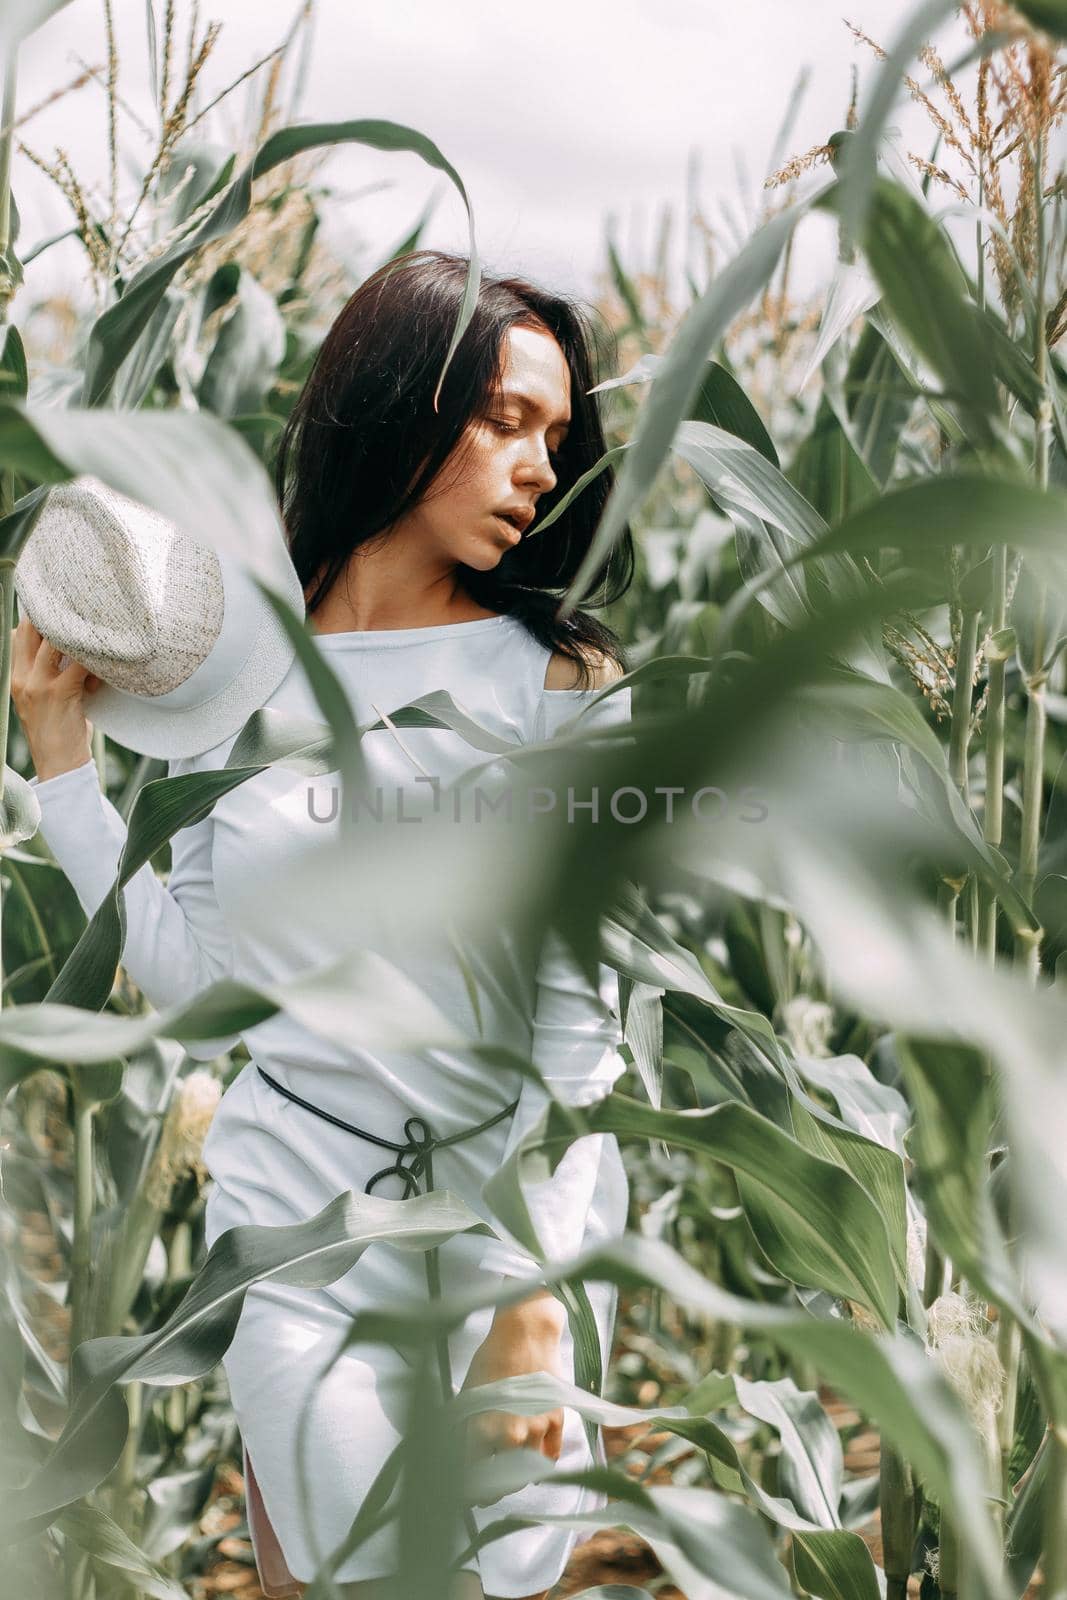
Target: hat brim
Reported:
point(141, 724)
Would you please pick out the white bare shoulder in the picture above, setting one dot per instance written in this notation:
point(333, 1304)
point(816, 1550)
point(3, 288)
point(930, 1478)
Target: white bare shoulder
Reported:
point(562, 673)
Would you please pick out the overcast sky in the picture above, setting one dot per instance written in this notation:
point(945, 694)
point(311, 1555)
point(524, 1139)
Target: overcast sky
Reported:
point(557, 114)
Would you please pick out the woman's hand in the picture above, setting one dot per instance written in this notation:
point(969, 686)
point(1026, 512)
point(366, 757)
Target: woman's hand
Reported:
point(49, 703)
point(523, 1338)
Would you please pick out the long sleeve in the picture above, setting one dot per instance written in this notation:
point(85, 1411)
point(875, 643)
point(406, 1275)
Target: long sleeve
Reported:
point(177, 941)
point(576, 1035)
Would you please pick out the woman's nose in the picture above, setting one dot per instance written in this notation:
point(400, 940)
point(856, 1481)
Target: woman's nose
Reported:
point(539, 469)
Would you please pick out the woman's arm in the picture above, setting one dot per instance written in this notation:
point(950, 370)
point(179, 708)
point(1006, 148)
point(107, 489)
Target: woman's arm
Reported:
point(575, 1048)
point(576, 1034)
point(177, 942)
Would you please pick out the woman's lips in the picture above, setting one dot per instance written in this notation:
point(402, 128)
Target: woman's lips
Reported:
point(509, 527)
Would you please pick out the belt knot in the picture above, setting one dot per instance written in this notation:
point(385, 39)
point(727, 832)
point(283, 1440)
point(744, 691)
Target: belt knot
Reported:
point(421, 1141)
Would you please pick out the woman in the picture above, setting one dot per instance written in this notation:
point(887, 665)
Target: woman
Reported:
point(414, 533)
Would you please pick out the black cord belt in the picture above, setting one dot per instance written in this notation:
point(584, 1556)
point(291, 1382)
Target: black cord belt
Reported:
point(420, 1143)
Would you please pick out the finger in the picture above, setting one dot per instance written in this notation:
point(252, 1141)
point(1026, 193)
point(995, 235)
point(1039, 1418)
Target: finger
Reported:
point(498, 1433)
point(24, 642)
point(75, 671)
point(48, 655)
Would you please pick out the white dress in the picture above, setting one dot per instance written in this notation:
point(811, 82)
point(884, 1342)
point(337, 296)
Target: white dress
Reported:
point(275, 1162)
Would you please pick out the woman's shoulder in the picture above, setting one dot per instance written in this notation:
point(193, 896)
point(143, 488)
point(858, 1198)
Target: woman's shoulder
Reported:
point(562, 672)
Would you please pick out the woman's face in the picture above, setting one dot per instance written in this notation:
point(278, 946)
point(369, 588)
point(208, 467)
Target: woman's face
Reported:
point(510, 464)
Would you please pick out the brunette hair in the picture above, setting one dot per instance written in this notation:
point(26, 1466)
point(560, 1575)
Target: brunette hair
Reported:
point(363, 441)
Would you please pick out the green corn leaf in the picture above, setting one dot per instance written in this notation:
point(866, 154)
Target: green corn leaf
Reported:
point(815, 1224)
point(835, 1566)
point(678, 381)
point(925, 291)
point(113, 1551)
point(1051, 15)
point(115, 332)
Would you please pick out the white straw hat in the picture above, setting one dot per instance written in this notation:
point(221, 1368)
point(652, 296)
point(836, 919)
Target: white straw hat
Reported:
point(185, 642)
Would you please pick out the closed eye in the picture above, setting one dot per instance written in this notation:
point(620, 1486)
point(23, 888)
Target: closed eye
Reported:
point(507, 427)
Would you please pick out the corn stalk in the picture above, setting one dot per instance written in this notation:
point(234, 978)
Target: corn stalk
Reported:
point(898, 1508)
point(997, 653)
point(1055, 1552)
point(7, 290)
point(7, 276)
